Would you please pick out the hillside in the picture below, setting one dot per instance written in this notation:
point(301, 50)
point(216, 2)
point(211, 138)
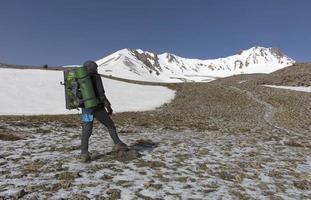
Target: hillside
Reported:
point(298, 74)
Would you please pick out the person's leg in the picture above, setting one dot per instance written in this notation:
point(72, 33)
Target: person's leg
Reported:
point(102, 116)
point(86, 133)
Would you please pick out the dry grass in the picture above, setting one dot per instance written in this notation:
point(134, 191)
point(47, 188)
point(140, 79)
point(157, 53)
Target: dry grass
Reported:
point(12, 135)
point(293, 109)
point(8, 136)
point(198, 106)
point(297, 75)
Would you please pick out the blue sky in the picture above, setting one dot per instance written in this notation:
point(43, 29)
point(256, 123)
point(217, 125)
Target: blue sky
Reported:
point(60, 32)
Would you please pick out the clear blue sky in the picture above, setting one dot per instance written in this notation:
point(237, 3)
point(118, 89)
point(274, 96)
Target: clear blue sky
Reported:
point(59, 32)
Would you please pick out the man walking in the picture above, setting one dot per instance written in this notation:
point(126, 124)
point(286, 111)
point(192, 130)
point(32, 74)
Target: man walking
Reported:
point(101, 112)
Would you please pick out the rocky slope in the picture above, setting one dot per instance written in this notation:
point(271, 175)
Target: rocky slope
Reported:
point(297, 75)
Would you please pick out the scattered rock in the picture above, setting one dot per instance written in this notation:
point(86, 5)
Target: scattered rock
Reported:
point(80, 197)
point(34, 166)
point(114, 194)
point(148, 184)
point(294, 143)
point(24, 154)
point(63, 184)
point(21, 193)
point(229, 177)
point(303, 185)
point(68, 175)
point(157, 186)
point(145, 142)
point(106, 177)
point(122, 156)
point(239, 194)
point(3, 162)
point(275, 173)
point(124, 183)
point(142, 145)
point(43, 131)
point(182, 179)
point(9, 136)
point(128, 155)
point(151, 164)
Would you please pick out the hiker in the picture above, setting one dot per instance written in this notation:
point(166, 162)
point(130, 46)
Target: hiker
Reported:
point(101, 112)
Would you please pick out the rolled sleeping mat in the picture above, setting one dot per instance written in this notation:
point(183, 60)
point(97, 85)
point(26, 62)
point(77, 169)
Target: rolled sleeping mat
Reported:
point(86, 87)
point(71, 90)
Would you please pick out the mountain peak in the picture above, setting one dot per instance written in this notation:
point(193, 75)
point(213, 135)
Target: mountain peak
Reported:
point(277, 52)
point(138, 64)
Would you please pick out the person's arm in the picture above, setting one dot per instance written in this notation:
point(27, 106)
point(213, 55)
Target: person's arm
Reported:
point(101, 94)
point(101, 91)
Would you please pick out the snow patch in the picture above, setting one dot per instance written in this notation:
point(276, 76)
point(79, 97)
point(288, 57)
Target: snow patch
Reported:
point(36, 92)
point(296, 88)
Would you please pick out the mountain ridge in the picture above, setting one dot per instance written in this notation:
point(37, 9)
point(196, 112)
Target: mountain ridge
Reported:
point(137, 64)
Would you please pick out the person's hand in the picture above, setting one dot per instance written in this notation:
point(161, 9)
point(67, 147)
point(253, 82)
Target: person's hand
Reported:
point(109, 110)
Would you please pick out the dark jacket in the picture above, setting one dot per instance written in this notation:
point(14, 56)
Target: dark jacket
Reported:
point(99, 90)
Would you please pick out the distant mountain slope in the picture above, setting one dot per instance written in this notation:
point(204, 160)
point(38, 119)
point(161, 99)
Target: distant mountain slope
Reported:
point(141, 65)
point(297, 75)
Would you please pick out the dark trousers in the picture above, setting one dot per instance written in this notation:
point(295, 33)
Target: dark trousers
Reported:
point(102, 116)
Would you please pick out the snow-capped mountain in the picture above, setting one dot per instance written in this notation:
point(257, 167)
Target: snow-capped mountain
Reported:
point(136, 64)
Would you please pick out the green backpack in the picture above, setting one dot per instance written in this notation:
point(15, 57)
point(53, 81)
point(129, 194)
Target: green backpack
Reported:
point(79, 91)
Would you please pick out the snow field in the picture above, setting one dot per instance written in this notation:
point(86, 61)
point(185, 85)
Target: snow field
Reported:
point(36, 92)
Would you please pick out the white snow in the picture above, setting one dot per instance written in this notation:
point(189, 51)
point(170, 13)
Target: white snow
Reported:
point(296, 88)
point(35, 92)
point(306, 167)
point(172, 68)
point(243, 81)
point(133, 97)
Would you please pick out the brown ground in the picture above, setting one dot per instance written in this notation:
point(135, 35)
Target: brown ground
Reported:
point(297, 75)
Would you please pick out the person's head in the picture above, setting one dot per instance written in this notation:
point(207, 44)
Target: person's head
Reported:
point(91, 66)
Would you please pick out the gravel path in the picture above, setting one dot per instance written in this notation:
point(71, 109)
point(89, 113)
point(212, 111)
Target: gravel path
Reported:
point(269, 111)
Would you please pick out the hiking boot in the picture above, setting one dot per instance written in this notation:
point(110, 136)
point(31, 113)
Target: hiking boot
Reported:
point(85, 158)
point(120, 147)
